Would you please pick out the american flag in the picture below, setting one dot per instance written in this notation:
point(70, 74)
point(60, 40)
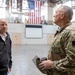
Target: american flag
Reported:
point(34, 16)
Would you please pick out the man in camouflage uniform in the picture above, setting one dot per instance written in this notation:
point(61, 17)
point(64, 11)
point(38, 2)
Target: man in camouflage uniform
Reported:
point(61, 56)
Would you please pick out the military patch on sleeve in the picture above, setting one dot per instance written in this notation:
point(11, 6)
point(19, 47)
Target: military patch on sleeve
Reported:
point(73, 43)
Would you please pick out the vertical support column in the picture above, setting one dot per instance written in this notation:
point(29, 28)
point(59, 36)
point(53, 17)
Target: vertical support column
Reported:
point(50, 13)
point(7, 10)
point(19, 5)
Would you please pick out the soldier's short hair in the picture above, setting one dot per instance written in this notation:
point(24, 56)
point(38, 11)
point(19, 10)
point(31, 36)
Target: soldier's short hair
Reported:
point(68, 11)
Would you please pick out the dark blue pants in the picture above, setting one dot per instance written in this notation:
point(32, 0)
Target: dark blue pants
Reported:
point(4, 73)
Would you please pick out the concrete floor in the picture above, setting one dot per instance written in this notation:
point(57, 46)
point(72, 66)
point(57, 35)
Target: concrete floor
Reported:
point(22, 59)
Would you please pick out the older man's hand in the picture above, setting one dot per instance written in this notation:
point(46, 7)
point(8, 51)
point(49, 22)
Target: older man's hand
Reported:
point(47, 64)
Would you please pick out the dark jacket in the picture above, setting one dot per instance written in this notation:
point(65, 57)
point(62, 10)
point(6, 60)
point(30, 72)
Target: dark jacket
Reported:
point(5, 54)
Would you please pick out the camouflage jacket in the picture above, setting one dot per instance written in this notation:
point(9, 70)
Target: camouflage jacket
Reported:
point(62, 51)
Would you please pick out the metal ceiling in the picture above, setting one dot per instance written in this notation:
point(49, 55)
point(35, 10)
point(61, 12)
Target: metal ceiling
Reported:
point(57, 1)
point(60, 2)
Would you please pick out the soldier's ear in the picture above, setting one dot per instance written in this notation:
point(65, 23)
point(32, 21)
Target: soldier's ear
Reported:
point(62, 15)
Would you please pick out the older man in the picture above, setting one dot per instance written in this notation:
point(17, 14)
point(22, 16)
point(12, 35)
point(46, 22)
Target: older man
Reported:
point(61, 56)
point(5, 48)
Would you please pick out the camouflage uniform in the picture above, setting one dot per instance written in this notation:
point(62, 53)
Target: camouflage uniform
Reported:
point(62, 52)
